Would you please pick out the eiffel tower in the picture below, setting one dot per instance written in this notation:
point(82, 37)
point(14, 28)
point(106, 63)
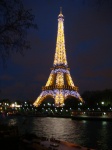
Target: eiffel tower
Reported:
point(60, 84)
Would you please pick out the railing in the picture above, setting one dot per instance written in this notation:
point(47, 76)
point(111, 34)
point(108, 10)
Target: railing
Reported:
point(67, 87)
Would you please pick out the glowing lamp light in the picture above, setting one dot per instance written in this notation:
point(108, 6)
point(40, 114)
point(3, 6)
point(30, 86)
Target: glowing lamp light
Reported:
point(102, 103)
point(18, 106)
point(13, 105)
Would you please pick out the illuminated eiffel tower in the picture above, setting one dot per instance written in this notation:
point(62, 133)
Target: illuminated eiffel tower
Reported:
point(60, 84)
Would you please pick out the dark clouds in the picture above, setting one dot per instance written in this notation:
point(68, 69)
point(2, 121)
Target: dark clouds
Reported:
point(88, 38)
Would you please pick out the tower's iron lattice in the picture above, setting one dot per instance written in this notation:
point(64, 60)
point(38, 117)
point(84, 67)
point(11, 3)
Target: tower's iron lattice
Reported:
point(60, 84)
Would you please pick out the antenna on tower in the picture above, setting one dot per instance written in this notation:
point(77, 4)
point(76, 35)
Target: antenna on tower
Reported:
point(60, 10)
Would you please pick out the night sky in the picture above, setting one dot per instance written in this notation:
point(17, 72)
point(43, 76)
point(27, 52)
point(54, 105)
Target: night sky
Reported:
point(88, 42)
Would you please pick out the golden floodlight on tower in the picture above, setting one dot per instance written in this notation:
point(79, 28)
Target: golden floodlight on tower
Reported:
point(60, 84)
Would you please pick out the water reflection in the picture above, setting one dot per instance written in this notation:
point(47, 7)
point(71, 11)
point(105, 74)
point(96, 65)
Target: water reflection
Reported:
point(87, 133)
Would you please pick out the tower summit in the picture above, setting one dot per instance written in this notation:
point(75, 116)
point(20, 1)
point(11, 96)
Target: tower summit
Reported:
point(60, 84)
point(60, 54)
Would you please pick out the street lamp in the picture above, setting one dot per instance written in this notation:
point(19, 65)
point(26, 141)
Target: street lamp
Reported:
point(102, 103)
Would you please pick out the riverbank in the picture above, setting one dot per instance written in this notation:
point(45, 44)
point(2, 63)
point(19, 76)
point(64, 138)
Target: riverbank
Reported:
point(9, 137)
point(92, 118)
point(43, 143)
point(73, 117)
point(77, 117)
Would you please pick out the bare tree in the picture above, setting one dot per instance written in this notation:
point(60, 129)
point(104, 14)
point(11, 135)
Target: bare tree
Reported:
point(14, 22)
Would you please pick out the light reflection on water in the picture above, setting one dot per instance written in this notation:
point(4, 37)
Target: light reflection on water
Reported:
point(93, 134)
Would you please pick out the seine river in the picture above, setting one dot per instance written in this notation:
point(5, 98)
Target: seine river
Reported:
point(92, 134)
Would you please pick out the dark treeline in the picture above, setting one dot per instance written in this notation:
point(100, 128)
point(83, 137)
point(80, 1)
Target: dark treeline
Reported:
point(97, 97)
point(92, 99)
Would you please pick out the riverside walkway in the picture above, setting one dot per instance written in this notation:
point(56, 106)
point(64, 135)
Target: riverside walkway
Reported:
point(63, 146)
point(52, 144)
